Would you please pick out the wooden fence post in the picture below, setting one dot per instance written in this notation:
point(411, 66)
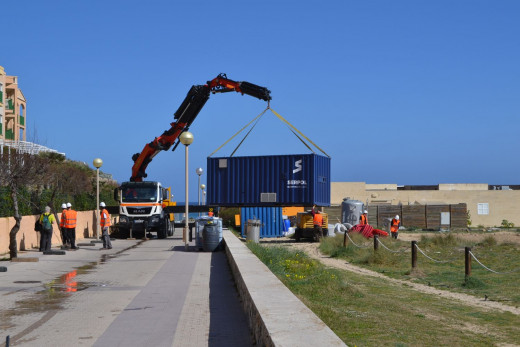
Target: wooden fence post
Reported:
point(414, 254)
point(376, 243)
point(467, 261)
point(345, 238)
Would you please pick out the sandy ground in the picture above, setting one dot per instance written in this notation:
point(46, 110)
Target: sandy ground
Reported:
point(311, 249)
point(500, 236)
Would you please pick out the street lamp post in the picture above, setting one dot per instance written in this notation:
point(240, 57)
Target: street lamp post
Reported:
point(97, 164)
point(202, 187)
point(199, 172)
point(186, 139)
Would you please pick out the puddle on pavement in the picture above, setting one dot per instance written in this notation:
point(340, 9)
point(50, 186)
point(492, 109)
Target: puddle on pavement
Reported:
point(55, 292)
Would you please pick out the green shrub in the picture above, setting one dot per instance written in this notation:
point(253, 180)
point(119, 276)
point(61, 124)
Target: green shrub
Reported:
point(489, 241)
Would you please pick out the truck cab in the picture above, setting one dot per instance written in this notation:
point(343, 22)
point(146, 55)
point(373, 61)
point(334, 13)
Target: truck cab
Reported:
point(141, 208)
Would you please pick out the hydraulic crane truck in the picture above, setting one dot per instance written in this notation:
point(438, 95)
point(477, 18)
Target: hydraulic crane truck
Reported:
point(143, 205)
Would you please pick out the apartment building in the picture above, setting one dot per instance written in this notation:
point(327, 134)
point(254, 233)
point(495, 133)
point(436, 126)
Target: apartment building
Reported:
point(13, 109)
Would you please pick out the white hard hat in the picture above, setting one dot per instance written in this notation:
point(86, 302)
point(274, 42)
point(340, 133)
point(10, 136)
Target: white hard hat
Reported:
point(397, 217)
point(69, 204)
point(64, 205)
point(102, 204)
point(365, 211)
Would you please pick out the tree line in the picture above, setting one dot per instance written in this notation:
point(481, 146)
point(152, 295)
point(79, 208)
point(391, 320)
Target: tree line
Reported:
point(29, 182)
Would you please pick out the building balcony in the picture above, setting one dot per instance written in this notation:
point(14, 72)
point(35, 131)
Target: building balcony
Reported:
point(10, 105)
point(9, 134)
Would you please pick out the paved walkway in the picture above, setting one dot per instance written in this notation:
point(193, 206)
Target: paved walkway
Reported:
point(149, 293)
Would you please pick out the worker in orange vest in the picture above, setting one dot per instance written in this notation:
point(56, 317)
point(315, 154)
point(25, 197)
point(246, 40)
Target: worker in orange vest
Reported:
point(317, 220)
point(69, 222)
point(104, 222)
point(64, 236)
point(394, 226)
point(363, 219)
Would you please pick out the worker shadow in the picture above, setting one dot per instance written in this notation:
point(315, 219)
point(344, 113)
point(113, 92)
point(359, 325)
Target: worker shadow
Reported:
point(178, 249)
point(228, 321)
point(22, 243)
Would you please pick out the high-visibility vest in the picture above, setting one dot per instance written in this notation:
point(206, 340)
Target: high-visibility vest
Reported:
point(105, 219)
point(62, 220)
point(70, 219)
point(364, 220)
point(318, 219)
point(395, 225)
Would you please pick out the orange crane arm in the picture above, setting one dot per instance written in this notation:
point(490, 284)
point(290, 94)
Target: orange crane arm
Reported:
point(186, 114)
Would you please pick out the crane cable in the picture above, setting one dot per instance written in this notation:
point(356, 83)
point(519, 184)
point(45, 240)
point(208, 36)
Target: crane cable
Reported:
point(232, 137)
point(298, 131)
point(291, 127)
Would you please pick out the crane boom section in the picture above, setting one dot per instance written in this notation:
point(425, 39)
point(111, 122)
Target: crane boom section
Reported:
point(192, 104)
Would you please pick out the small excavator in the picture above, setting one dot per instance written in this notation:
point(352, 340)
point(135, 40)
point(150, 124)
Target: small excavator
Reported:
point(142, 204)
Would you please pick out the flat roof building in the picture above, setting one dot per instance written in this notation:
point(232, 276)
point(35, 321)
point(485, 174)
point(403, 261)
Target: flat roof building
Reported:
point(488, 205)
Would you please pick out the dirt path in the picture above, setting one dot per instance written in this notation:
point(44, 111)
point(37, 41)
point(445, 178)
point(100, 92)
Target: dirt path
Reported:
point(311, 249)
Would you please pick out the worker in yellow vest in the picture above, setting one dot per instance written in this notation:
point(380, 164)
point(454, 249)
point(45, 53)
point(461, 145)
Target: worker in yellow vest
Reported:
point(69, 223)
point(104, 222)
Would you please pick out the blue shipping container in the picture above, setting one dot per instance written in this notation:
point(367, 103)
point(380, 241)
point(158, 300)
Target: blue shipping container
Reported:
point(271, 218)
point(294, 180)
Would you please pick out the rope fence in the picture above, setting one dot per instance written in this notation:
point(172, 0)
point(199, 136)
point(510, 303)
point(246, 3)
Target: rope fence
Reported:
point(490, 270)
point(414, 248)
point(434, 260)
point(388, 249)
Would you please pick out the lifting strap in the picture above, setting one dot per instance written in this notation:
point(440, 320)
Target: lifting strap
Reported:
point(289, 125)
point(298, 131)
point(232, 137)
point(249, 132)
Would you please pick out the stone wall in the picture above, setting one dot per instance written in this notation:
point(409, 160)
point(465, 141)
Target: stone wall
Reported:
point(28, 239)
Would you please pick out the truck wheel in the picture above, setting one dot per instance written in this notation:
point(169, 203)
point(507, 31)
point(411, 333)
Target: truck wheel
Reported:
point(298, 235)
point(123, 233)
point(161, 233)
point(170, 228)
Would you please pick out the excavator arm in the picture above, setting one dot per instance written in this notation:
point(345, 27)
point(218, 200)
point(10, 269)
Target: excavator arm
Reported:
point(186, 114)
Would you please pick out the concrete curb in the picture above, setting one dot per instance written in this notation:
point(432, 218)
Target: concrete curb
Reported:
point(276, 316)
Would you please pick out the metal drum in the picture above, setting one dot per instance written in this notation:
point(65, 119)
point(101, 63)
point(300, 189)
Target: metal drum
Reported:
point(211, 238)
point(351, 211)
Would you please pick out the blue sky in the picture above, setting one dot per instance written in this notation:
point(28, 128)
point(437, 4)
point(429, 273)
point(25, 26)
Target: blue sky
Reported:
point(406, 92)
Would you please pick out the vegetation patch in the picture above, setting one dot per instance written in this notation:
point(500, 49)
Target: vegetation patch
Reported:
point(440, 263)
point(368, 311)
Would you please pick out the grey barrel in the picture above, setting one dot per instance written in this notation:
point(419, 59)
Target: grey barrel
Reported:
point(211, 238)
point(351, 210)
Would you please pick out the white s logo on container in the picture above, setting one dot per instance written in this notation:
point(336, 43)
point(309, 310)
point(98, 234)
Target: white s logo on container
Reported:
point(298, 165)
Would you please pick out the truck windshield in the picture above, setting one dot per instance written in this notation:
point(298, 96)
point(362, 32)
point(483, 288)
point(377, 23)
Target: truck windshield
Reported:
point(139, 194)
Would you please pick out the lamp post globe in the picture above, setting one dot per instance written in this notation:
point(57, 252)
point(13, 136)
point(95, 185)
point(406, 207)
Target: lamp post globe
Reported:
point(186, 138)
point(97, 163)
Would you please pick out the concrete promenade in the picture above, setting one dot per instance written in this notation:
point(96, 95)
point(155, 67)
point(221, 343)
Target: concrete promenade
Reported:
point(149, 293)
point(153, 293)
